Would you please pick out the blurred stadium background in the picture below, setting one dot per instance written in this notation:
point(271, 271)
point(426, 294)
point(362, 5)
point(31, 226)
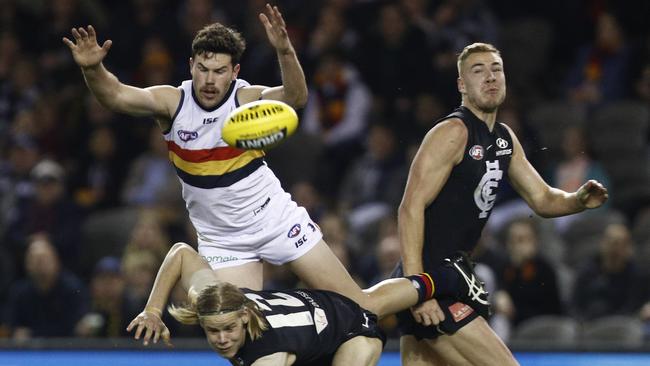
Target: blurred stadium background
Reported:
point(95, 191)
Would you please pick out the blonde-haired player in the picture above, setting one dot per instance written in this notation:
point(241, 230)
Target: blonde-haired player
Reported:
point(289, 327)
point(452, 187)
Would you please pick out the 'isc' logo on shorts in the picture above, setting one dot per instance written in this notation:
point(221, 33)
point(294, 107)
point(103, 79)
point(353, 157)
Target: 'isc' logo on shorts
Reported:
point(301, 241)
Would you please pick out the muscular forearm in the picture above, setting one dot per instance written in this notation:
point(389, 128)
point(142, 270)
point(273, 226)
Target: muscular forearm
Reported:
point(103, 84)
point(411, 237)
point(556, 202)
point(293, 78)
point(167, 277)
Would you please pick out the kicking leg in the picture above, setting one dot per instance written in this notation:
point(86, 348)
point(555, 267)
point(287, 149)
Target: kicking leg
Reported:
point(321, 269)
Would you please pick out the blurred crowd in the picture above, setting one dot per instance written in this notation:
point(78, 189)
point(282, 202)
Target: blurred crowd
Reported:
point(90, 203)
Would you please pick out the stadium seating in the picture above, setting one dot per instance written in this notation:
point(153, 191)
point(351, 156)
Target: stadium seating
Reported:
point(546, 331)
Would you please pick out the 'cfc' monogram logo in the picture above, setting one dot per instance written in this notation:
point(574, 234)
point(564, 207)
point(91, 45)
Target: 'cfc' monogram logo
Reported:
point(485, 194)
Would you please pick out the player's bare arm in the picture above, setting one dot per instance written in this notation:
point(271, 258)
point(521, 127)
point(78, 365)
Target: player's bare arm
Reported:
point(159, 102)
point(293, 90)
point(279, 358)
point(441, 150)
point(183, 264)
point(545, 200)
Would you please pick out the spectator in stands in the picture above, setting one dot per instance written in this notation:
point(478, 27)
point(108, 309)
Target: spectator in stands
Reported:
point(51, 211)
point(387, 256)
point(393, 77)
point(577, 165)
point(149, 234)
point(344, 244)
point(306, 195)
point(528, 282)
point(100, 176)
point(600, 73)
point(373, 186)
point(50, 300)
point(610, 283)
point(18, 92)
point(337, 111)
point(111, 308)
point(152, 181)
point(331, 31)
point(16, 186)
point(139, 269)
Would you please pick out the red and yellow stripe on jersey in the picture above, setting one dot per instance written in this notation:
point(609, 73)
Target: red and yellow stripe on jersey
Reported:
point(215, 167)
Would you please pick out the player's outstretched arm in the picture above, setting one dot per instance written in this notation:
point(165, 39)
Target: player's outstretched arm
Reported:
point(545, 200)
point(293, 90)
point(158, 101)
point(183, 264)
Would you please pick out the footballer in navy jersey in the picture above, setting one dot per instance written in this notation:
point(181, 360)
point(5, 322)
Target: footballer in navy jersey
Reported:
point(310, 324)
point(289, 327)
point(453, 183)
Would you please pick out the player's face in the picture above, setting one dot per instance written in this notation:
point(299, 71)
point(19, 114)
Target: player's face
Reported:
point(482, 81)
point(226, 334)
point(212, 74)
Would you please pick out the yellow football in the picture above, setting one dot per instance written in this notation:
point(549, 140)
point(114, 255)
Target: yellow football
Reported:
point(258, 125)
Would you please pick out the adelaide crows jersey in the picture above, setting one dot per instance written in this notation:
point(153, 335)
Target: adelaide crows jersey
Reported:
point(223, 187)
point(310, 324)
point(455, 219)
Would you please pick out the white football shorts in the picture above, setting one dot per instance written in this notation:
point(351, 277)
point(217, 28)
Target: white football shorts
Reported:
point(283, 240)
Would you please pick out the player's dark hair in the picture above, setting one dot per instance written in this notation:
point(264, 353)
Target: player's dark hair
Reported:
point(218, 300)
point(217, 38)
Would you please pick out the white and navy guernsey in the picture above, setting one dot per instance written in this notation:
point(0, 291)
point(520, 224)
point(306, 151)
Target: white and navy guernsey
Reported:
point(455, 219)
point(222, 185)
point(310, 324)
point(201, 158)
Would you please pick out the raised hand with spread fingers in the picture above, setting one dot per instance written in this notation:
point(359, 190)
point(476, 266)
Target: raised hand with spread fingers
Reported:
point(85, 48)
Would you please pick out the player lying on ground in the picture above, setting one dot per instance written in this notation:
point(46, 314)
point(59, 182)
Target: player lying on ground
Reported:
point(291, 327)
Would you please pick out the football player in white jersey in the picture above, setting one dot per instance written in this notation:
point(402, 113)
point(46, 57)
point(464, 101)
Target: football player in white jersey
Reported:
point(241, 213)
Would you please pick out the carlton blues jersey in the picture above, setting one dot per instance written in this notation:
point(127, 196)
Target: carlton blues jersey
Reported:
point(222, 186)
point(310, 324)
point(455, 219)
